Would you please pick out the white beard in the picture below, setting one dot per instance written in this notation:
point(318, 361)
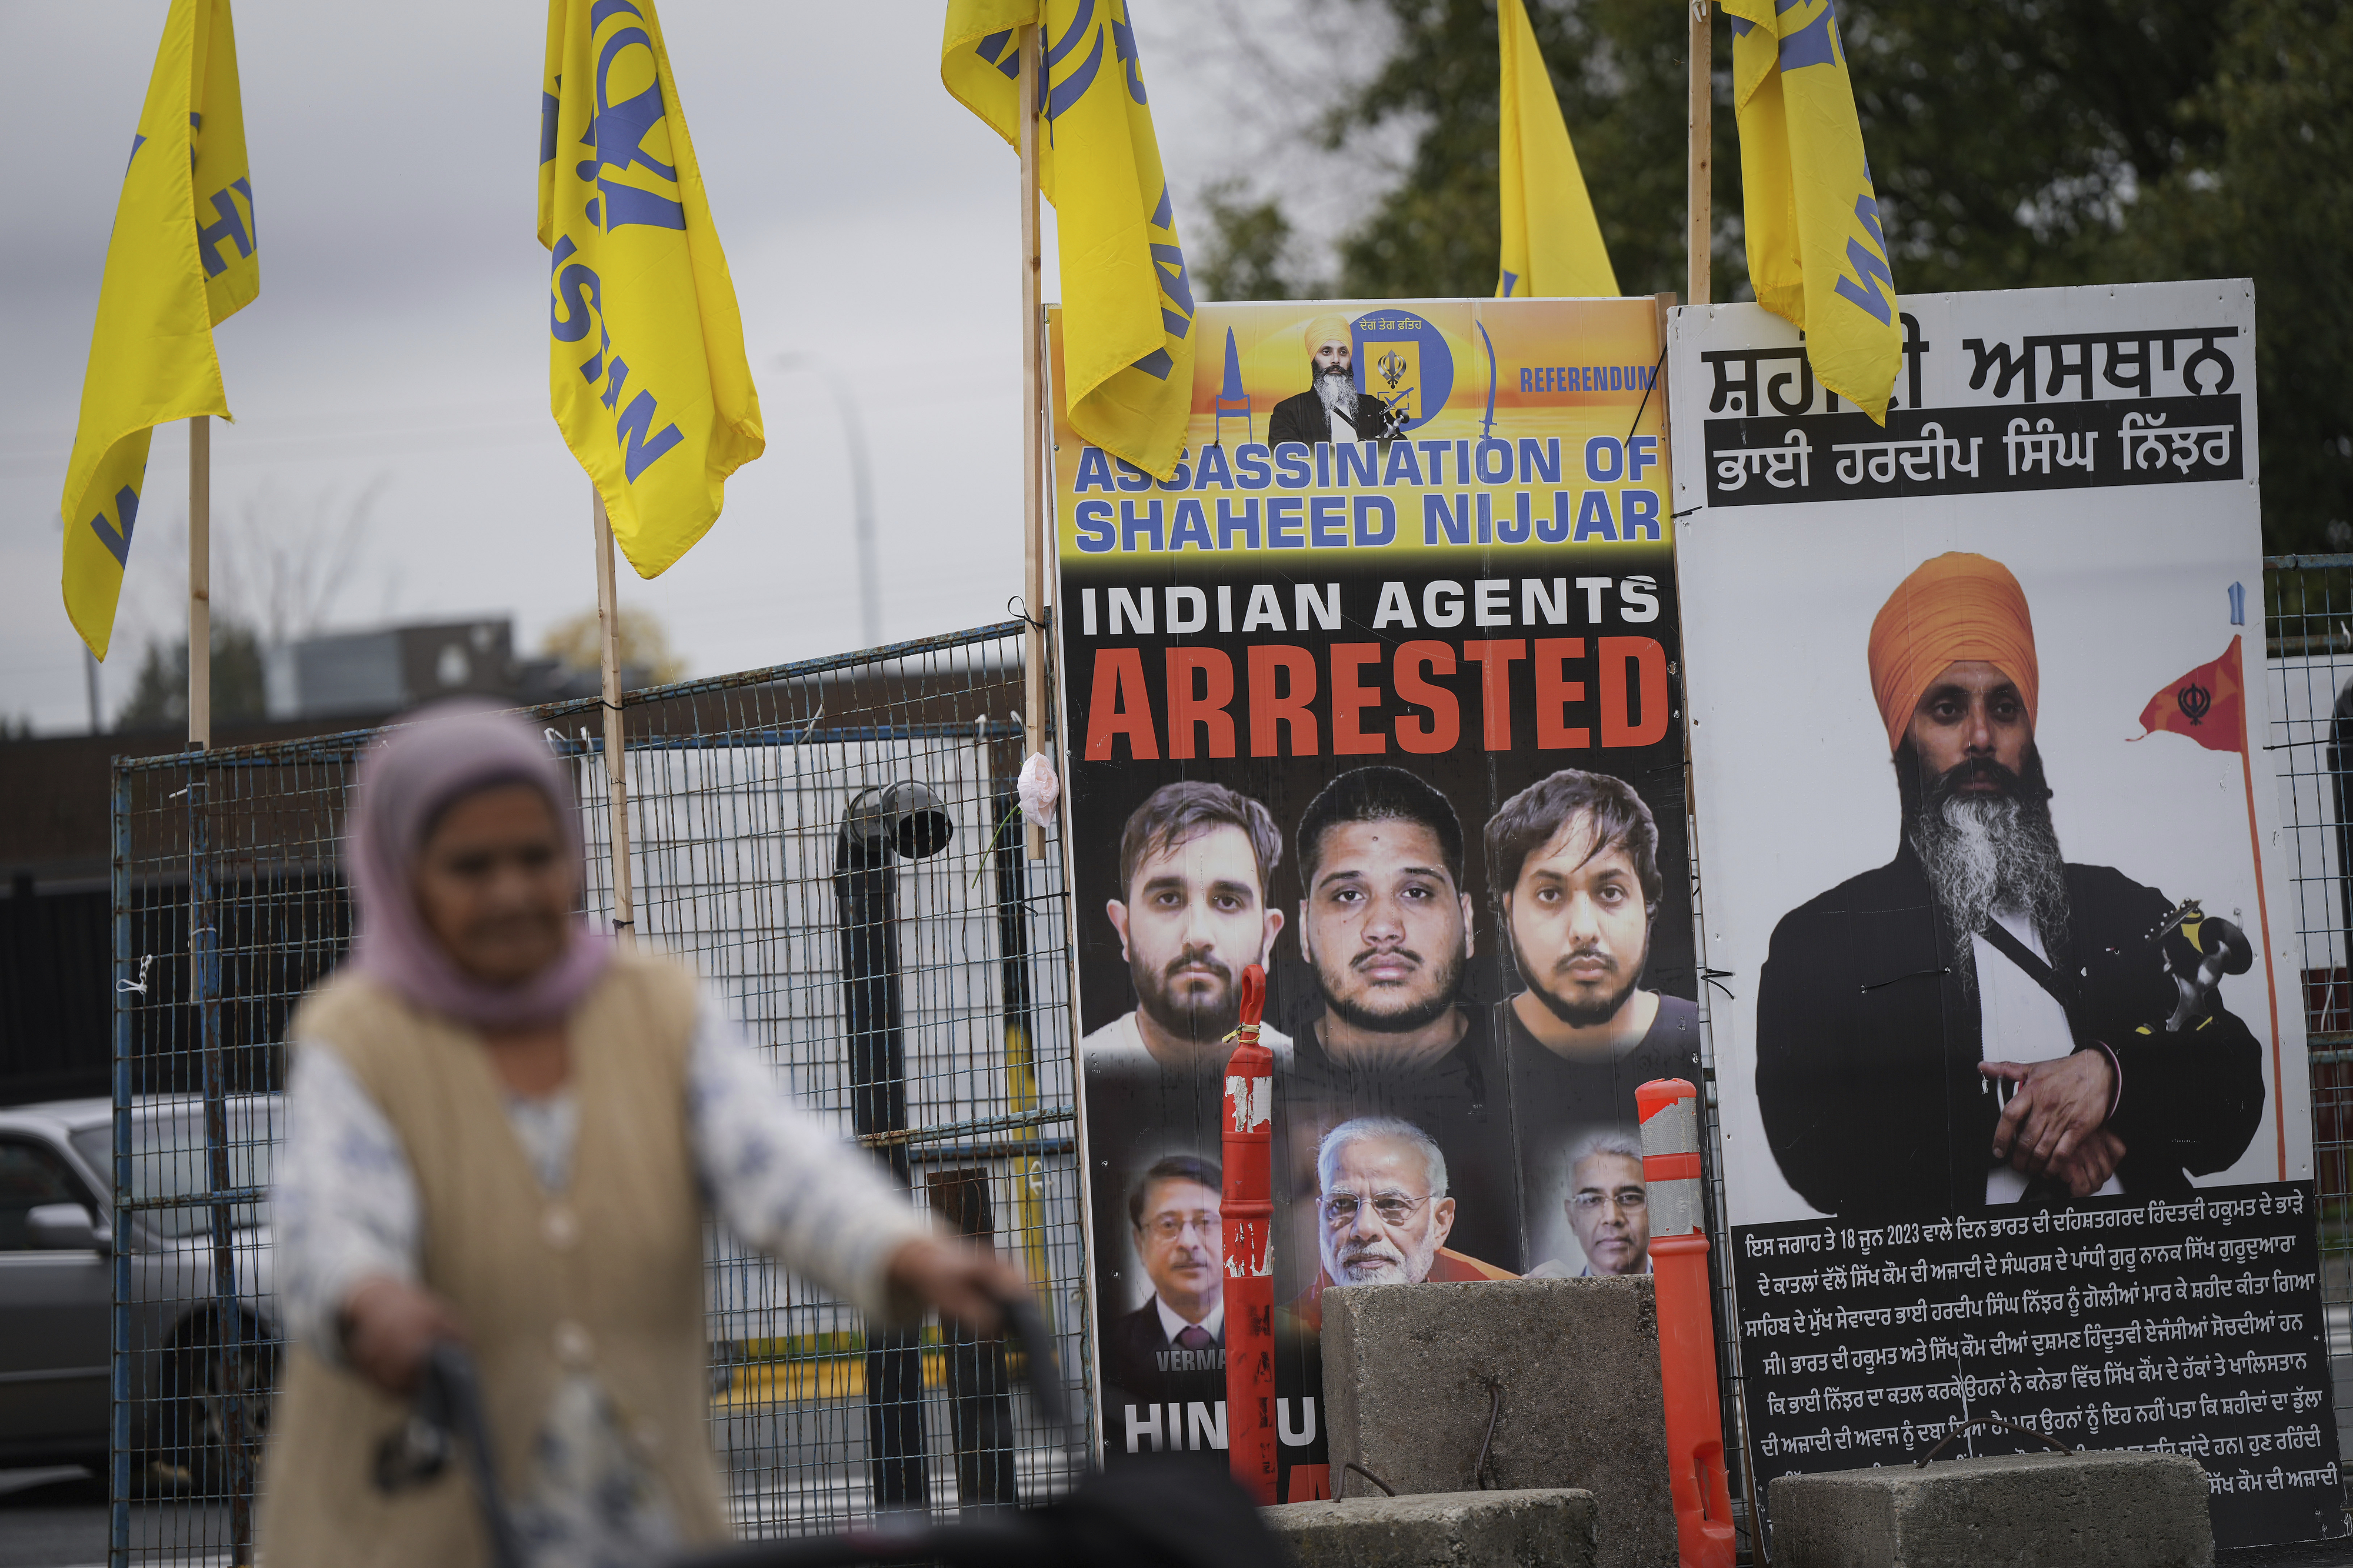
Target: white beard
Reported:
point(1984, 854)
point(1339, 395)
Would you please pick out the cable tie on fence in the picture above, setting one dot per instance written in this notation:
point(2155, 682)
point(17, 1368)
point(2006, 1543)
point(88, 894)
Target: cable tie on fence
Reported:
point(1022, 613)
point(618, 924)
point(140, 984)
point(810, 728)
point(555, 740)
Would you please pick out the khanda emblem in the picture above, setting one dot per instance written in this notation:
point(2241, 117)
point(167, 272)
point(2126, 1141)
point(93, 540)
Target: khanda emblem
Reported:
point(1396, 370)
point(2193, 701)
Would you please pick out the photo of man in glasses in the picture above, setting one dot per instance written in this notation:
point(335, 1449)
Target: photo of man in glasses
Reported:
point(1180, 1334)
point(1607, 1207)
point(1383, 1213)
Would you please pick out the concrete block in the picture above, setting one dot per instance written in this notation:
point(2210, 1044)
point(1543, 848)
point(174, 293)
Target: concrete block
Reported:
point(1407, 1375)
point(2020, 1510)
point(1538, 1528)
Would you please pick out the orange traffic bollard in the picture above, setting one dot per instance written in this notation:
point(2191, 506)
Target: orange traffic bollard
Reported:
point(1669, 1107)
point(1247, 1211)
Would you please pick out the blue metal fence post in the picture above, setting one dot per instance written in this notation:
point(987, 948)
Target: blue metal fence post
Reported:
point(227, 1353)
point(118, 1485)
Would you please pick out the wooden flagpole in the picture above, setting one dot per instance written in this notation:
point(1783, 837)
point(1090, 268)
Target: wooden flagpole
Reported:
point(1033, 432)
point(2263, 905)
point(200, 582)
point(1700, 174)
point(617, 778)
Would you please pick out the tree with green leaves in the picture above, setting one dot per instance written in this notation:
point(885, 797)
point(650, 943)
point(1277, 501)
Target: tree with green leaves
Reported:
point(2014, 144)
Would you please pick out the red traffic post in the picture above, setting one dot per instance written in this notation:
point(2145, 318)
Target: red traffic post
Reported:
point(1247, 1215)
point(1669, 1107)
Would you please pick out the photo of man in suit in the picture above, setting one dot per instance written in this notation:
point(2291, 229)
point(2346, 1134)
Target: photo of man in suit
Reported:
point(1331, 409)
point(1980, 1020)
point(1180, 1334)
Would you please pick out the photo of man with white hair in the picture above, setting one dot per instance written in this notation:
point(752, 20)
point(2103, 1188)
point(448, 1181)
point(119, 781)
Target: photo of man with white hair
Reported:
point(1383, 1213)
point(1333, 408)
point(1607, 1208)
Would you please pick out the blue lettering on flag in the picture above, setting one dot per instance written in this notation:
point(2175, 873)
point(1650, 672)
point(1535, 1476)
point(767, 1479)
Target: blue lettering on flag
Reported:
point(126, 501)
point(638, 453)
point(578, 294)
point(137, 141)
point(548, 107)
point(1869, 266)
point(1815, 44)
point(1511, 281)
point(230, 228)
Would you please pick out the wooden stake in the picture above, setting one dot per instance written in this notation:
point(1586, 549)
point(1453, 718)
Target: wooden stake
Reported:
point(1701, 173)
point(200, 582)
point(617, 778)
point(1033, 431)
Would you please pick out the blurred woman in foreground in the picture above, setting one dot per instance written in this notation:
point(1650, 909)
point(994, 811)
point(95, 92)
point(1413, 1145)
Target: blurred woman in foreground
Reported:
point(506, 1129)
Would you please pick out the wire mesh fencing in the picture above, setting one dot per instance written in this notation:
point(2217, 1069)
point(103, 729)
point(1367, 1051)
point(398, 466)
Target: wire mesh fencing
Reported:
point(2308, 613)
point(835, 846)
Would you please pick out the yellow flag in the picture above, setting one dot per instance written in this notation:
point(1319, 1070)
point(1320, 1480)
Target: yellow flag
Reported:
point(1127, 304)
point(1816, 254)
point(1551, 242)
point(181, 261)
point(645, 367)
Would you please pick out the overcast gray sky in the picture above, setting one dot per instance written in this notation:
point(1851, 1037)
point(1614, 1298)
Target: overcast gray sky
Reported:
point(399, 346)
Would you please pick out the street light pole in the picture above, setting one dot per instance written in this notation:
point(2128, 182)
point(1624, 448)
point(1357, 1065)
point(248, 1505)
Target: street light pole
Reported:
point(861, 491)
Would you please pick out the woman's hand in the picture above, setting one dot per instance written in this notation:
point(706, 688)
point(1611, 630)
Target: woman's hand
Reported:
point(963, 1282)
point(389, 1326)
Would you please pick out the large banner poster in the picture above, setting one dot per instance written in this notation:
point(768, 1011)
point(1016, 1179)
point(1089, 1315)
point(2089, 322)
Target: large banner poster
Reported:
point(1380, 689)
point(2014, 1112)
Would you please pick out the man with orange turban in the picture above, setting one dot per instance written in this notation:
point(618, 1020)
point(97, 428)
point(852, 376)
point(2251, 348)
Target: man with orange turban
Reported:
point(1333, 408)
point(1981, 1021)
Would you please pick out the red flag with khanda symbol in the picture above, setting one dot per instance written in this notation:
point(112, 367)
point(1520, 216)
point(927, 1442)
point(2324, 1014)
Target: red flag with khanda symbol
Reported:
point(2209, 705)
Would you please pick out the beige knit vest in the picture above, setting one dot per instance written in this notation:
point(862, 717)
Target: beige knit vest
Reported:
point(606, 1276)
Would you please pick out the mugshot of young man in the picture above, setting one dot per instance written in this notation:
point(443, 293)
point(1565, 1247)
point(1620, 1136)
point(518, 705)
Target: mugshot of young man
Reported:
point(1385, 926)
point(1180, 1332)
point(1980, 1020)
point(1330, 409)
point(1608, 1209)
point(1384, 1213)
point(1574, 861)
point(1193, 912)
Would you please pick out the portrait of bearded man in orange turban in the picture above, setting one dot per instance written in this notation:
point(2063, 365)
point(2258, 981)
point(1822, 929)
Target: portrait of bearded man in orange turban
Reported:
point(1332, 408)
point(1981, 1021)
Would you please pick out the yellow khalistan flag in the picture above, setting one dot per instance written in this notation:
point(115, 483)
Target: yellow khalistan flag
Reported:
point(646, 364)
point(1816, 255)
point(1127, 304)
point(181, 261)
point(1551, 242)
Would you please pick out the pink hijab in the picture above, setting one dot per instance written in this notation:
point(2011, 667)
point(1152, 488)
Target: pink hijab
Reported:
point(406, 781)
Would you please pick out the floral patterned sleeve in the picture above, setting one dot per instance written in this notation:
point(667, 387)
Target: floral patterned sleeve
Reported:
point(783, 1181)
point(342, 1201)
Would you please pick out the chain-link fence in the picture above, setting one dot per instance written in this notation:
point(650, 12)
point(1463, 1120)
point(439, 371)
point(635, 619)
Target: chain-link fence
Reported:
point(2308, 615)
point(834, 845)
